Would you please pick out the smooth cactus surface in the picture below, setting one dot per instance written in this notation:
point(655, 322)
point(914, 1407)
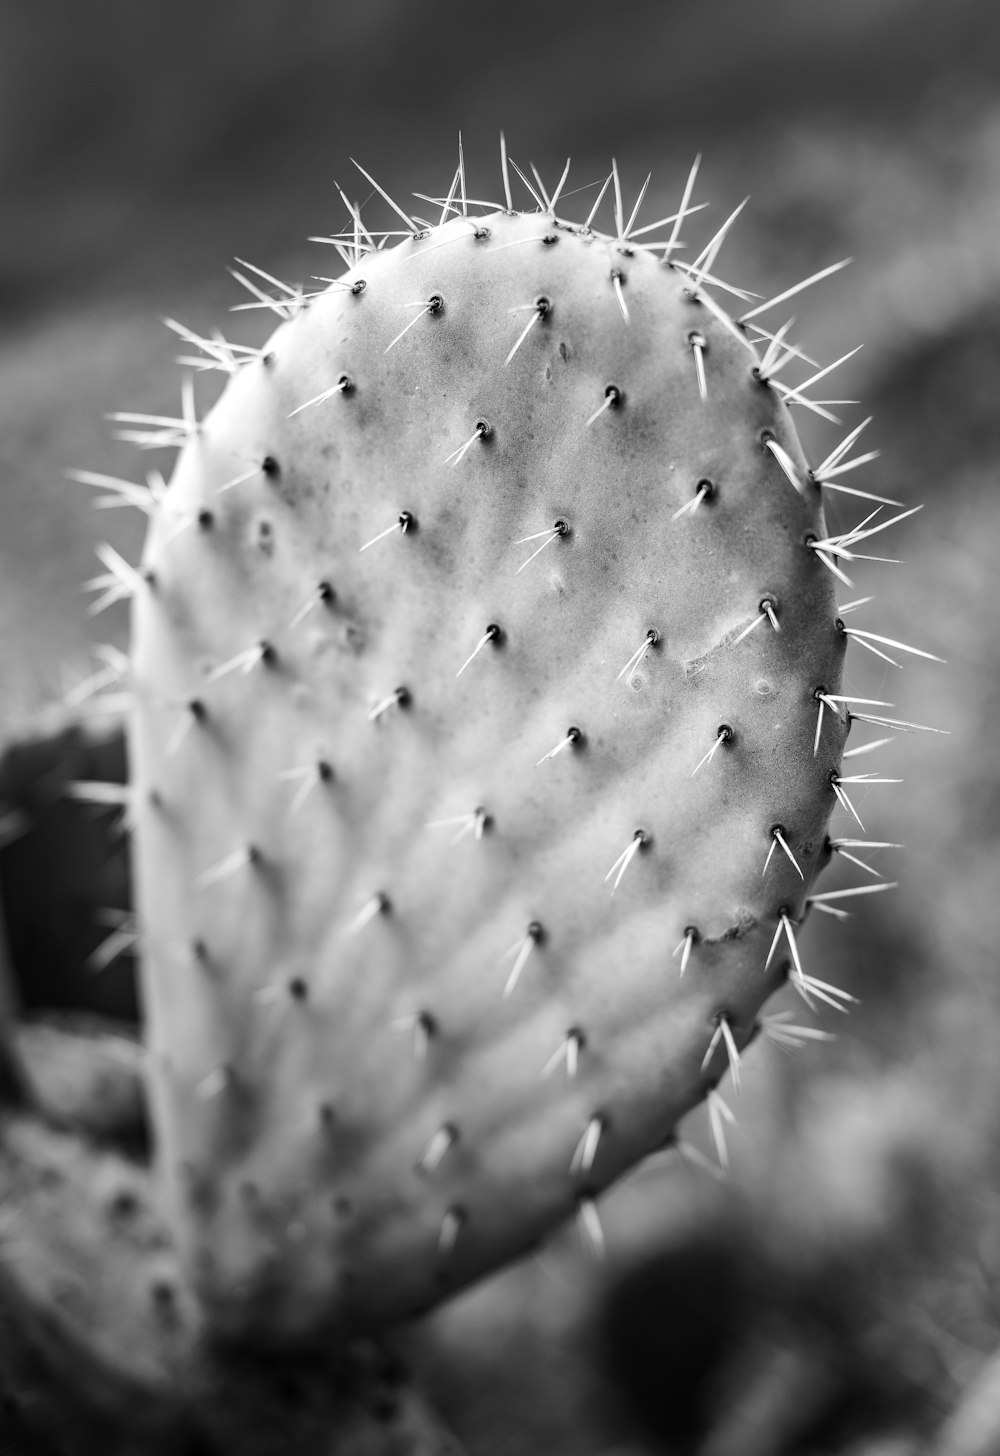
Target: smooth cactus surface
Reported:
point(488, 723)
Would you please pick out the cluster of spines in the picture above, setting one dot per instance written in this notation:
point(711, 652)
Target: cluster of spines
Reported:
point(121, 581)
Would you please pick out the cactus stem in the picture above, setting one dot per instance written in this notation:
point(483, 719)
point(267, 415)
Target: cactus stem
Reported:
point(723, 734)
point(684, 947)
point(586, 1149)
point(778, 838)
point(795, 288)
point(521, 950)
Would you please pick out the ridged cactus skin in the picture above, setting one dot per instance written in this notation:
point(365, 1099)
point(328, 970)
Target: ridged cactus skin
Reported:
point(449, 911)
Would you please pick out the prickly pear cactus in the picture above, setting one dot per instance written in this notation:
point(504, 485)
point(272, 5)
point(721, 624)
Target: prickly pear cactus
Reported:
point(488, 723)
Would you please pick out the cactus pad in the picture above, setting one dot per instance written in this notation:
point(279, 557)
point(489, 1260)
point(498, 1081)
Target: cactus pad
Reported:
point(482, 772)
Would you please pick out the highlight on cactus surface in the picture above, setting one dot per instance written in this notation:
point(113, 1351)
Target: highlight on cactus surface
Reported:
point(505, 531)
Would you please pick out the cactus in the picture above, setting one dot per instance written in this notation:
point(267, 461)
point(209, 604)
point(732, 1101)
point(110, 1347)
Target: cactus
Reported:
point(488, 721)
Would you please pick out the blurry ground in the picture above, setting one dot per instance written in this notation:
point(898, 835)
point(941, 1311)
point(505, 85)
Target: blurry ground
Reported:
point(142, 146)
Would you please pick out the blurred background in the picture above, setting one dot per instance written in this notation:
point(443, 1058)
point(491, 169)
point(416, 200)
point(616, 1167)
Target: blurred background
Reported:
point(840, 1291)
